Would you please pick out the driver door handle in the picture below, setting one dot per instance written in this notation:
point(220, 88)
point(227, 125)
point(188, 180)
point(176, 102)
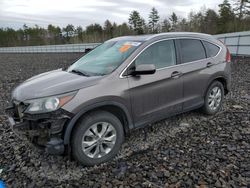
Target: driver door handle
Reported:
point(176, 74)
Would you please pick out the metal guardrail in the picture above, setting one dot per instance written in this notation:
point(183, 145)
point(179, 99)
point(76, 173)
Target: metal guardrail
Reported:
point(237, 43)
point(50, 48)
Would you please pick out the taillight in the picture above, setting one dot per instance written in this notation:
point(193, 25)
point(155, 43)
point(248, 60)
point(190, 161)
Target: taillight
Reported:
point(228, 56)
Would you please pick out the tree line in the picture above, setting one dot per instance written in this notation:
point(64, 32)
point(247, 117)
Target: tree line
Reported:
point(231, 17)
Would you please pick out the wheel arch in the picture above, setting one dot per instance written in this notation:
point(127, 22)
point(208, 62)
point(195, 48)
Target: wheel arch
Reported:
point(224, 83)
point(222, 80)
point(118, 109)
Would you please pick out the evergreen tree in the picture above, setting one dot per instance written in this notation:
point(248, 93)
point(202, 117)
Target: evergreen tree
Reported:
point(153, 20)
point(123, 29)
point(183, 25)
point(108, 29)
point(54, 34)
point(207, 21)
point(94, 33)
point(137, 23)
point(166, 26)
point(197, 22)
point(226, 18)
point(69, 30)
point(79, 31)
point(211, 21)
point(174, 20)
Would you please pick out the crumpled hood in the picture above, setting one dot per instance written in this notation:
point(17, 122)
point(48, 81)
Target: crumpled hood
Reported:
point(52, 83)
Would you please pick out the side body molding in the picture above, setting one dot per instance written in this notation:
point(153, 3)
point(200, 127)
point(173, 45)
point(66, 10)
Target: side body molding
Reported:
point(71, 124)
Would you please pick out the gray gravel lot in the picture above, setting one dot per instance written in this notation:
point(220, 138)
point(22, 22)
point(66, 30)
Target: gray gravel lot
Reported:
point(187, 150)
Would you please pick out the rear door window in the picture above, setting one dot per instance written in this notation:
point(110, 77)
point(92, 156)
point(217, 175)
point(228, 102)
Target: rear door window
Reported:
point(191, 50)
point(211, 49)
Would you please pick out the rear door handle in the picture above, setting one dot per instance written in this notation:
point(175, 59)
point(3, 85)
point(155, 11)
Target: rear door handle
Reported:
point(209, 64)
point(176, 74)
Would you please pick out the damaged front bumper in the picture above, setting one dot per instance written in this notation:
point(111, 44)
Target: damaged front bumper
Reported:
point(45, 130)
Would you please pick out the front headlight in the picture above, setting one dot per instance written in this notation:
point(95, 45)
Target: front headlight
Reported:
point(48, 104)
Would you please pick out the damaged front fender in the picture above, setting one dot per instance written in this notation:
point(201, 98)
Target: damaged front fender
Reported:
point(44, 130)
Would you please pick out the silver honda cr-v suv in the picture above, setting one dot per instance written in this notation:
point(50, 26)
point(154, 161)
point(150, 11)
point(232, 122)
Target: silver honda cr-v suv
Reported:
point(125, 83)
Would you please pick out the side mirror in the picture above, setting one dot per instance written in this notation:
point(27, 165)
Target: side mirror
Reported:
point(144, 69)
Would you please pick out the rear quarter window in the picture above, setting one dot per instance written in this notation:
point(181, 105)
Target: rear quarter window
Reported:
point(191, 50)
point(211, 49)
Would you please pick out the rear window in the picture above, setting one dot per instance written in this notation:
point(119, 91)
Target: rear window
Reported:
point(191, 50)
point(211, 49)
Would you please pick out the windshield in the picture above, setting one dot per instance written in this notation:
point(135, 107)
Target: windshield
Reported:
point(104, 59)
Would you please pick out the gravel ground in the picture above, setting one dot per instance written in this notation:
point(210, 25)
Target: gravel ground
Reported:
point(188, 150)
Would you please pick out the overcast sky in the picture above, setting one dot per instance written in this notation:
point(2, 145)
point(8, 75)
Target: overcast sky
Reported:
point(14, 13)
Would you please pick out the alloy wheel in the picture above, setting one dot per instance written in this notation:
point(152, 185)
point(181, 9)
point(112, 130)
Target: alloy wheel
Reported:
point(214, 98)
point(99, 140)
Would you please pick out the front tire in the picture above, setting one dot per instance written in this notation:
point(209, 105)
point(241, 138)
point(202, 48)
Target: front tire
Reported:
point(213, 98)
point(97, 138)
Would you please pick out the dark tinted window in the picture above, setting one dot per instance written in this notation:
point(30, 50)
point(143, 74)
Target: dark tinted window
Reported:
point(191, 50)
point(211, 49)
point(161, 54)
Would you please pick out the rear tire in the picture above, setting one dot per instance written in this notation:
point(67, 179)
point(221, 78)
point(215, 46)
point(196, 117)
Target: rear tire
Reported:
point(97, 138)
point(213, 98)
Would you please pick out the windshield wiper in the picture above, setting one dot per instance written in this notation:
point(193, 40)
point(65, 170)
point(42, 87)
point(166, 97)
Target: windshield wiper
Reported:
point(79, 72)
point(99, 74)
